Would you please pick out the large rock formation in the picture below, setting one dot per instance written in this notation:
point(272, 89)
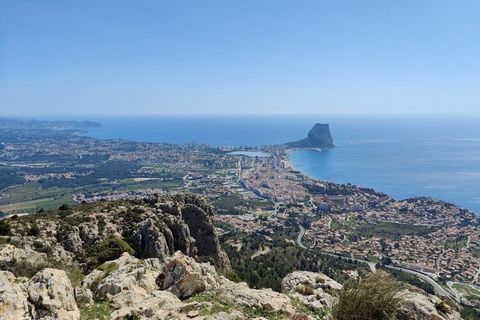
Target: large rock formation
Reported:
point(182, 288)
point(154, 228)
point(318, 137)
point(47, 295)
point(52, 295)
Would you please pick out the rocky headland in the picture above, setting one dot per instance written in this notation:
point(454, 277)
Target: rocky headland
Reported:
point(318, 137)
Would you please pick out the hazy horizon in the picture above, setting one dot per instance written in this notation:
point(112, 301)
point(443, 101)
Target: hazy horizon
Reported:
point(250, 57)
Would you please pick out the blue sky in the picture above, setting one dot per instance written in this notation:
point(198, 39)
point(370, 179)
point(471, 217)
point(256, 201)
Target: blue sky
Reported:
point(261, 56)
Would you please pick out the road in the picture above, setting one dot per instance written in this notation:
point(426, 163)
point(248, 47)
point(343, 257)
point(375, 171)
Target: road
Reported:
point(300, 237)
point(437, 287)
point(301, 245)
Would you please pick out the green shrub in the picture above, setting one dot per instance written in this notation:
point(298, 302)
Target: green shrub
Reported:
point(64, 207)
point(442, 306)
point(5, 229)
point(99, 311)
point(42, 247)
point(34, 230)
point(375, 297)
point(22, 268)
point(106, 250)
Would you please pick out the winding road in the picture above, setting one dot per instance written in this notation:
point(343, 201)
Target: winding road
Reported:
point(437, 287)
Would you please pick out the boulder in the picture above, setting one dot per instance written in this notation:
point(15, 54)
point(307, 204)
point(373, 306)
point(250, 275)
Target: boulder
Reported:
point(418, 306)
point(13, 298)
point(10, 252)
point(158, 305)
point(83, 297)
point(126, 281)
point(52, 294)
point(316, 290)
point(264, 299)
point(183, 276)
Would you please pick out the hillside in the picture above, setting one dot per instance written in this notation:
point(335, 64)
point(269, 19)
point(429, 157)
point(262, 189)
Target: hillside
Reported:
point(161, 258)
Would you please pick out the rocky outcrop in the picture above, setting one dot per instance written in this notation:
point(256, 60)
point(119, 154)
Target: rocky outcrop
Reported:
point(154, 227)
point(11, 253)
point(125, 281)
point(315, 290)
point(318, 137)
point(262, 299)
point(51, 293)
point(13, 298)
point(202, 229)
point(418, 306)
point(130, 284)
point(183, 276)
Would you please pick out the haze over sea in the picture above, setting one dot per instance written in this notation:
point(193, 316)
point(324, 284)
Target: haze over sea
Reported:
point(402, 156)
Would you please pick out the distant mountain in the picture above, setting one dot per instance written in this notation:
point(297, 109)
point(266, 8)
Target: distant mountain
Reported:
point(318, 137)
point(12, 123)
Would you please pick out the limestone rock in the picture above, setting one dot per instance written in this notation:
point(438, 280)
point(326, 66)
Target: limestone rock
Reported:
point(203, 230)
point(10, 252)
point(158, 305)
point(318, 137)
point(183, 276)
point(316, 290)
point(418, 306)
point(73, 242)
point(264, 299)
point(149, 241)
point(13, 298)
point(126, 281)
point(83, 297)
point(52, 294)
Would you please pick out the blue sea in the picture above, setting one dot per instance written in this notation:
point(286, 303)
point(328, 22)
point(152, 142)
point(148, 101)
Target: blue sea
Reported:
point(402, 156)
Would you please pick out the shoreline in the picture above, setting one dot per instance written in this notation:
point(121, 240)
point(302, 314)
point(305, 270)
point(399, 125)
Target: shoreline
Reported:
point(290, 164)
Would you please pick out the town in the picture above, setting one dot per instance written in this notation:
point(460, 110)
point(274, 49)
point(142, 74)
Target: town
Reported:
point(255, 191)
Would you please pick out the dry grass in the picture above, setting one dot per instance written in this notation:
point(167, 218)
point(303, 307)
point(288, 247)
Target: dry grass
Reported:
point(375, 297)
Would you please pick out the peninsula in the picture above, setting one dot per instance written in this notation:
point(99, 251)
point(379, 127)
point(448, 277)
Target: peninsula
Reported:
point(318, 137)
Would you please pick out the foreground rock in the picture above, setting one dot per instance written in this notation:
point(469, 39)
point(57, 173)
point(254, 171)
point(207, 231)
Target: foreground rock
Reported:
point(315, 290)
point(418, 306)
point(10, 253)
point(184, 277)
point(126, 281)
point(13, 298)
point(47, 295)
point(134, 291)
point(52, 294)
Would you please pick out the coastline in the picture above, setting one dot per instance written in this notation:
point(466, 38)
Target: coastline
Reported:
point(289, 164)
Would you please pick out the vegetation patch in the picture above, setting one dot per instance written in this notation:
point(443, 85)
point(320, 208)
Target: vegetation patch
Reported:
point(98, 311)
point(373, 297)
point(391, 230)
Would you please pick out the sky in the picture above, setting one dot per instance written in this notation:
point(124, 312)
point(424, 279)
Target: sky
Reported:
point(239, 57)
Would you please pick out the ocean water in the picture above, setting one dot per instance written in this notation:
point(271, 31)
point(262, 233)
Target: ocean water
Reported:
point(401, 156)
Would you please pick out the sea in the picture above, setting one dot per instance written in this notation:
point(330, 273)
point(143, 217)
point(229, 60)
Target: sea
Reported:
point(403, 156)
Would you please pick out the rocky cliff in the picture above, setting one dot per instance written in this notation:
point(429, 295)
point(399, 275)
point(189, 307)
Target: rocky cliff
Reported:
point(91, 234)
point(318, 137)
